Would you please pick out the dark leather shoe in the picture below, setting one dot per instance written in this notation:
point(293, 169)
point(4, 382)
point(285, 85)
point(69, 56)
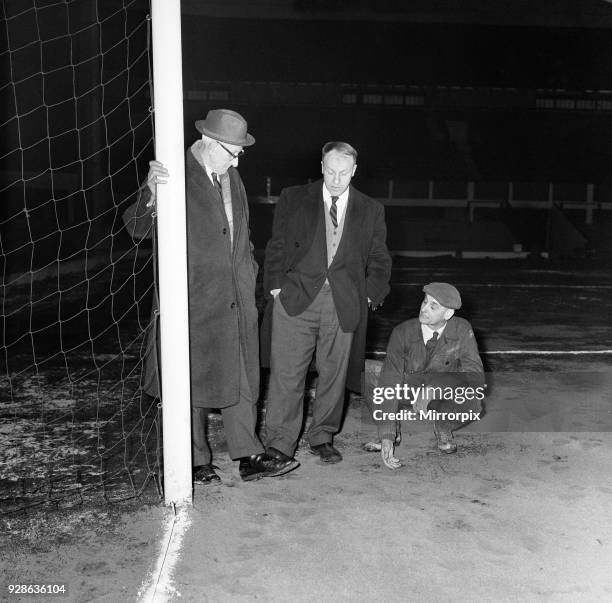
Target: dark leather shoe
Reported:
point(263, 465)
point(327, 453)
point(205, 474)
point(278, 455)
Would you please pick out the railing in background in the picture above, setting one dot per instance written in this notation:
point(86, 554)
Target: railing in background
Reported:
point(473, 195)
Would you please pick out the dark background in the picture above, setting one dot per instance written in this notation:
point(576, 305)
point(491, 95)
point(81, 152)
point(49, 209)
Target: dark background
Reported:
point(483, 133)
point(488, 92)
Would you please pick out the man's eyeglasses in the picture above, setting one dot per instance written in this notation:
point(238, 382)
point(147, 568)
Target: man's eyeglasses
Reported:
point(232, 155)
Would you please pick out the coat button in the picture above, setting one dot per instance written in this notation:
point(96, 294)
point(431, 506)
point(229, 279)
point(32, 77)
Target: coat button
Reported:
point(297, 244)
point(233, 305)
point(225, 231)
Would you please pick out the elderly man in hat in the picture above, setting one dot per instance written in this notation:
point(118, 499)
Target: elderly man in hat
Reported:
point(224, 344)
point(433, 367)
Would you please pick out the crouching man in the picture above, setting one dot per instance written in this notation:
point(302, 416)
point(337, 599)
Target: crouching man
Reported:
point(432, 371)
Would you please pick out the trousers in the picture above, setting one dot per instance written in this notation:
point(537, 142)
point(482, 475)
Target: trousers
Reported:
point(294, 340)
point(239, 423)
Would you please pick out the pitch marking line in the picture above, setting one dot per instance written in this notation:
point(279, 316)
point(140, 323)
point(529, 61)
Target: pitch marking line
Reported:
point(512, 285)
point(550, 352)
point(158, 587)
point(537, 352)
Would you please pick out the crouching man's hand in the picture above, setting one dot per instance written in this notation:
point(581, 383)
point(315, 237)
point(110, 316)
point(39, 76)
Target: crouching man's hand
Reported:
point(388, 458)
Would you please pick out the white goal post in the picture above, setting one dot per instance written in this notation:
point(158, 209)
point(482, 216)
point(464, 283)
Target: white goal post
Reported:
point(172, 247)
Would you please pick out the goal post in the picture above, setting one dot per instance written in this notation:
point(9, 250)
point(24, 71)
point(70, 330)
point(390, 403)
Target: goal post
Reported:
point(172, 251)
point(78, 421)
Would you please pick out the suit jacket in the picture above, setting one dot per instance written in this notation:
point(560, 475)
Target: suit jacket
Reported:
point(455, 361)
point(222, 310)
point(360, 270)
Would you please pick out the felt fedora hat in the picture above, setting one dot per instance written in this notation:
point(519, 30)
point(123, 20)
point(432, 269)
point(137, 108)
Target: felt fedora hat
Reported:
point(227, 126)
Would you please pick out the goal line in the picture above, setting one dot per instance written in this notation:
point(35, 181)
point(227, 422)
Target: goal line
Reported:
point(382, 354)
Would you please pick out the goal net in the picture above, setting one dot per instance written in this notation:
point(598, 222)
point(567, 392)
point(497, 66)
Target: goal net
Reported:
point(75, 139)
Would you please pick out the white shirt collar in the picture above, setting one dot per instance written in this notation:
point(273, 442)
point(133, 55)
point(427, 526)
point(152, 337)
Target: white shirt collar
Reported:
point(341, 203)
point(428, 332)
point(209, 172)
point(206, 168)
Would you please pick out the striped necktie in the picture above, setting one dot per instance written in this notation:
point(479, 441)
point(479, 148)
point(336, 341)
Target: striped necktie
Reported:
point(333, 211)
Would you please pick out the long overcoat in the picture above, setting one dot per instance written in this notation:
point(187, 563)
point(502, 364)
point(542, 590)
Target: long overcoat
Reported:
point(222, 310)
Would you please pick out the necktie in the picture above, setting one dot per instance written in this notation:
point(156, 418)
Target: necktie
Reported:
point(430, 345)
point(333, 211)
point(227, 205)
point(217, 184)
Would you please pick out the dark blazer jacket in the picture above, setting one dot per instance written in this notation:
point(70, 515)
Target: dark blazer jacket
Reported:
point(455, 361)
point(361, 266)
point(456, 352)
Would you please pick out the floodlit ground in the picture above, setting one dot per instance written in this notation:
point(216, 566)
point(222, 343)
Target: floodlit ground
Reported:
point(522, 513)
point(512, 517)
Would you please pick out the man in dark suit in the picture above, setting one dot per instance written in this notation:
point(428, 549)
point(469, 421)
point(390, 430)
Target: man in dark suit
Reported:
point(326, 261)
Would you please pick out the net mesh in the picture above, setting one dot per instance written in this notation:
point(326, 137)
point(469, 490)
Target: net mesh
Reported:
point(75, 137)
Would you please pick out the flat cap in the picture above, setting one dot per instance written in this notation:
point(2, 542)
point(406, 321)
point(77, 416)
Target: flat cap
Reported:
point(444, 294)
